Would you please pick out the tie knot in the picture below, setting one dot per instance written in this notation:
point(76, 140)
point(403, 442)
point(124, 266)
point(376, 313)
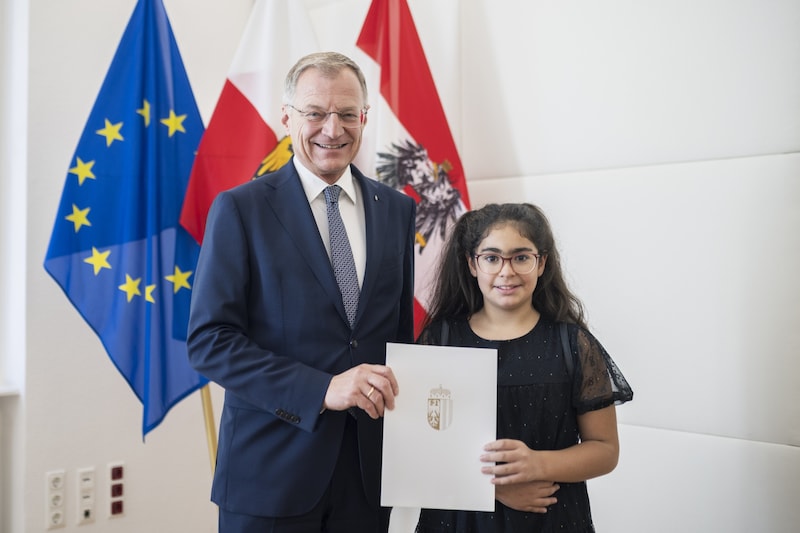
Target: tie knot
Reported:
point(332, 194)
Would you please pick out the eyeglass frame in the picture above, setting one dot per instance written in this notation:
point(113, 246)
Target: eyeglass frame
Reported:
point(325, 114)
point(503, 260)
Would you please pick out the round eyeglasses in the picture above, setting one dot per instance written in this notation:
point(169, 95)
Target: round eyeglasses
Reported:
point(522, 263)
point(348, 119)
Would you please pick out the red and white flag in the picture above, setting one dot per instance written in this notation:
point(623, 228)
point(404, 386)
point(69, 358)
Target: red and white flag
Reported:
point(408, 143)
point(245, 137)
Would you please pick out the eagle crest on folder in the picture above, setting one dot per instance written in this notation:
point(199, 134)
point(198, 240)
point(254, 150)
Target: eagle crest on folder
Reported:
point(440, 409)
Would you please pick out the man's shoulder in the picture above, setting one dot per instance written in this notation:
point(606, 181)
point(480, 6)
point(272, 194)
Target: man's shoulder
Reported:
point(375, 187)
point(271, 180)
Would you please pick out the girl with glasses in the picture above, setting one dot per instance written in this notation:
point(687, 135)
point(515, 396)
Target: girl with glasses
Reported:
point(499, 285)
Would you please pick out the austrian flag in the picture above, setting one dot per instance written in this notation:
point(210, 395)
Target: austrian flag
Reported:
point(245, 137)
point(414, 149)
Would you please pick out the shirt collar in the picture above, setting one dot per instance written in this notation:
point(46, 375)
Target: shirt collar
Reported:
point(314, 185)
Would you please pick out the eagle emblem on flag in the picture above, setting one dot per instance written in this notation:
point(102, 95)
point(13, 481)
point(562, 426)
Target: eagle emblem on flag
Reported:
point(407, 167)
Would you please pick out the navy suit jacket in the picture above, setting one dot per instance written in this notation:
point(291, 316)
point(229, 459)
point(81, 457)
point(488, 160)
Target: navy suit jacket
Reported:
point(268, 324)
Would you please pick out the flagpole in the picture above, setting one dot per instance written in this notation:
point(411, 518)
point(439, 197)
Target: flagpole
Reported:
point(211, 429)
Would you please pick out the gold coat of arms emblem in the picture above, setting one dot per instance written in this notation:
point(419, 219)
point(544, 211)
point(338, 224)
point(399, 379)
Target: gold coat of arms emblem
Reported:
point(440, 409)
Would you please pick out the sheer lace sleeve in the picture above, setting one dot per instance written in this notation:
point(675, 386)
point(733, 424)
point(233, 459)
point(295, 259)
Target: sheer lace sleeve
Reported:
point(598, 381)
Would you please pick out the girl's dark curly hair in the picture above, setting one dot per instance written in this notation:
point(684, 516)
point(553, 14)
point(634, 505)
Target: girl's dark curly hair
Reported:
point(456, 292)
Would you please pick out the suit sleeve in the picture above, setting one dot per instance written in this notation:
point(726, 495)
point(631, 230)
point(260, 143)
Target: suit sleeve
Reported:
point(221, 342)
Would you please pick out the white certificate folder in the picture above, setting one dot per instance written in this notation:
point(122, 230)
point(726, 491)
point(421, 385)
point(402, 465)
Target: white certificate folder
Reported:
point(433, 439)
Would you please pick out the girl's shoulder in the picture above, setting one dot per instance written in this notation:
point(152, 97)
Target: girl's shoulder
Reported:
point(598, 379)
point(442, 332)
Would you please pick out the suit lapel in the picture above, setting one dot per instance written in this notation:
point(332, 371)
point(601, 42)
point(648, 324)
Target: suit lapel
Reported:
point(375, 217)
point(285, 195)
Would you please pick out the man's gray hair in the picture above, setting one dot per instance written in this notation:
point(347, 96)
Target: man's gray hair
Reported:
point(329, 64)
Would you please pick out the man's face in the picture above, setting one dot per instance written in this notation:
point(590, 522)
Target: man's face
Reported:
point(328, 146)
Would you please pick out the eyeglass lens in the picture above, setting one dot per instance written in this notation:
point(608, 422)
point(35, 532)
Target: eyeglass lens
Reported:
point(348, 118)
point(520, 263)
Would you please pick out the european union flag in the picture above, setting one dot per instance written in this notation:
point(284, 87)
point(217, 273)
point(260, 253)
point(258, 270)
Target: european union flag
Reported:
point(117, 249)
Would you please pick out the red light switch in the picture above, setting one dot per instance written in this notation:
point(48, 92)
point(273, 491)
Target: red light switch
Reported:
point(117, 507)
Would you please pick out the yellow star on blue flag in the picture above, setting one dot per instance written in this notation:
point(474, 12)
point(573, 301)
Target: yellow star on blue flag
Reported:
point(117, 249)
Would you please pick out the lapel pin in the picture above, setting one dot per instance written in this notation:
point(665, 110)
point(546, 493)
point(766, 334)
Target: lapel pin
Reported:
point(376, 197)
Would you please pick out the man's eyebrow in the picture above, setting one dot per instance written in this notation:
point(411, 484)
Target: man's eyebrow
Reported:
point(312, 107)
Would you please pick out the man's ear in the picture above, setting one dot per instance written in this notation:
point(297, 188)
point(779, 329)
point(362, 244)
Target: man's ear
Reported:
point(285, 118)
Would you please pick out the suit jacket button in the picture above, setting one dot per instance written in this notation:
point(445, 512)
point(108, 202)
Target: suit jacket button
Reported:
point(354, 343)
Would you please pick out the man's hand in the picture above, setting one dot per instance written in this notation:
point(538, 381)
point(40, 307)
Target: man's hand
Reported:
point(368, 387)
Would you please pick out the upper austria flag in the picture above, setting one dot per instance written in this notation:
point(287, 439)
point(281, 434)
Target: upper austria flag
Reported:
point(117, 249)
point(412, 148)
point(244, 137)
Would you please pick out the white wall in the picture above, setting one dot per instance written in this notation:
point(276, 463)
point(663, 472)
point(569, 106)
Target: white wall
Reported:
point(661, 138)
point(80, 412)
point(13, 209)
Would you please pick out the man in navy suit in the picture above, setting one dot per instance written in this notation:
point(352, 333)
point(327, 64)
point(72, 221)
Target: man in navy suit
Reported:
point(305, 392)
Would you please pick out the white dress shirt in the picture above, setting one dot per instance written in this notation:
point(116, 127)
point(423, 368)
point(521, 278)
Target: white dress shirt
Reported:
point(351, 207)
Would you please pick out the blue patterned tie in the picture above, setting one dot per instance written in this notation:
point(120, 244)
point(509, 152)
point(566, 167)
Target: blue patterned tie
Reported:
point(344, 267)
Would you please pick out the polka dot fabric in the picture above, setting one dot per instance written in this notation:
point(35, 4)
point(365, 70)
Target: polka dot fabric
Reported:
point(537, 403)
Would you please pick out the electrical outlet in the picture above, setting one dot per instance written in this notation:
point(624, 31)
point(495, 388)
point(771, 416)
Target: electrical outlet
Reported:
point(54, 493)
point(55, 519)
point(86, 495)
point(55, 479)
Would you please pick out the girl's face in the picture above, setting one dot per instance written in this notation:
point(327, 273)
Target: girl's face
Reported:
point(506, 290)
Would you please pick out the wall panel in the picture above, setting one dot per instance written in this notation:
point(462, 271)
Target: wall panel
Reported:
point(689, 275)
point(562, 86)
point(670, 481)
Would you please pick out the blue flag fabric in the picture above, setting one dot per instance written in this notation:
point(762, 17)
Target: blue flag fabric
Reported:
point(117, 249)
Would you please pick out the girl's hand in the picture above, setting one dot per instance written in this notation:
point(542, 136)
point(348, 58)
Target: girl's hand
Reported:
point(511, 461)
point(530, 497)
point(515, 462)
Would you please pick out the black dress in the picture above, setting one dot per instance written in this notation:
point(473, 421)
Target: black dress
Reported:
point(537, 403)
